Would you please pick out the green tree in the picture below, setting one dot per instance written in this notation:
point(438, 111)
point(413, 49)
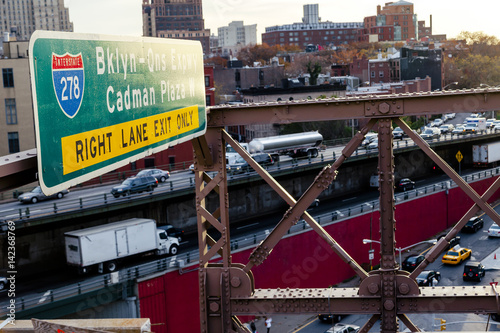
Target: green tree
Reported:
point(314, 70)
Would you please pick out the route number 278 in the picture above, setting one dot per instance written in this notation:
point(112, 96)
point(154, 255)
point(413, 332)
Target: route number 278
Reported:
point(71, 87)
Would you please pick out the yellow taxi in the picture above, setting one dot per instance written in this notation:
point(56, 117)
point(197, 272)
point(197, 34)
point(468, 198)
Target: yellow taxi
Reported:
point(456, 255)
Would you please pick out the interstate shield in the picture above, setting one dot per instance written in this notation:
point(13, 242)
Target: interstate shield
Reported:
point(69, 82)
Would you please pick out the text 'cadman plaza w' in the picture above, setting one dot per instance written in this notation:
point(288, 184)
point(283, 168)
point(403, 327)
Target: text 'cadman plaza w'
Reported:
point(101, 102)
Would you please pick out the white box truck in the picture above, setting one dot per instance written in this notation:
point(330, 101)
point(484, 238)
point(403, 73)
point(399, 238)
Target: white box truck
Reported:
point(486, 154)
point(106, 245)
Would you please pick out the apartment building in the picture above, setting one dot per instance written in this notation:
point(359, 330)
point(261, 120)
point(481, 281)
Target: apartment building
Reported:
point(21, 18)
point(17, 129)
point(180, 19)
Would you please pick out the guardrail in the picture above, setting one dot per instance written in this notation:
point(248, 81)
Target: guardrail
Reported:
point(186, 262)
point(25, 213)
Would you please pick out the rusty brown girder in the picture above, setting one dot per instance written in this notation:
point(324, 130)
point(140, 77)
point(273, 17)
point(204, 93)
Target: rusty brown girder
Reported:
point(373, 106)
point(388, 294)
point(314, 301)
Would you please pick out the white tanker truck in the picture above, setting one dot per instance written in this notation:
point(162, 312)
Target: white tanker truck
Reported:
point(293, 145)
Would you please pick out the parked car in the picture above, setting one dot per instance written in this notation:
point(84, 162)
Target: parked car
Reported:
point(331, 318)
point(456, 256)
point(460, 129)
point(425, 278)
point(172, 231)
point(452, 243)
point(473, 225)
point(494, 230)
point(431, 133)
point(37, 195)
point(411, 262)
point(405, 184)
point(160, 175)
point(343, 328)
point(447, 128)
point(3, 283)
point(134, 185)
point(398, 133)
point(474, 271)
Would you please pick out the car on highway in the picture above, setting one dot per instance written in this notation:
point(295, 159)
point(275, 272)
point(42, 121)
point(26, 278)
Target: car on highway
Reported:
point(449, 116)
point(3, 283)
point(405, 184)
point(446, 128)
point(373, 145)
point(470, 128)
point(369, 137)
point(159, 174)
point(241, 165)
point(398, 133)
point(456, 255)
point(135, 185)
point(473, 225)
point(437, 122)
point(411, 262)
point(343, 328)
point(452, 243)
point(460, 129)
point(37, 195)
point(473, 271)
point(431, 133)
point(425, 278)
point(494, 230)
point(172, 231)
point(331, 318)
point(490, 123)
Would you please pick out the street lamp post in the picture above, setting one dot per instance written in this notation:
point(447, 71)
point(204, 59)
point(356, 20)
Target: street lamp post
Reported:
point(449, 84)
point(399, 249)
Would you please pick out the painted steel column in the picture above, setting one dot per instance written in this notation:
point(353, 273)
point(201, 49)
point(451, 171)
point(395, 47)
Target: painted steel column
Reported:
point(388, 266)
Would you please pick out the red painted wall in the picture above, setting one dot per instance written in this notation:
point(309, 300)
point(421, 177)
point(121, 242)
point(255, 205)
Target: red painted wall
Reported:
point(304, 260)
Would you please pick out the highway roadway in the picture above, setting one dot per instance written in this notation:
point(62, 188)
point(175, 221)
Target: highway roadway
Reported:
point(101, 195)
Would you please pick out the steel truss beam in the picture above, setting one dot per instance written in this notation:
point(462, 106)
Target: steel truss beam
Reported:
point(227, 289)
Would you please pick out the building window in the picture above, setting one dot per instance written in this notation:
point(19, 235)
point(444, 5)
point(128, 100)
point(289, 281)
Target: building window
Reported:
point(13, 142)
point(8, 77)
point(207, 81)
point(208, 100)
point(373, 74)
point(10, 111)
point(381, 73)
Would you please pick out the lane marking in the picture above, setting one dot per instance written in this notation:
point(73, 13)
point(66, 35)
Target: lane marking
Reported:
point(305, 325)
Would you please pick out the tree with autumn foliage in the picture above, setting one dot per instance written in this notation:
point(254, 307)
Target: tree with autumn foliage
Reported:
point(472, 60)
point(262, 53)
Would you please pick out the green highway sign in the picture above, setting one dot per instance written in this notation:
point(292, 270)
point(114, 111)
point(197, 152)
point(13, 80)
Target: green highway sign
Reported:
point(101, 102)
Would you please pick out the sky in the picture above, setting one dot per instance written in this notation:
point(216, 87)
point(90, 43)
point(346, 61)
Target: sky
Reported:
point(124, 17)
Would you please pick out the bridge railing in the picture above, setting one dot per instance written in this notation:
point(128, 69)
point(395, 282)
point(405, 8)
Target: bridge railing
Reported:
point(187, 261)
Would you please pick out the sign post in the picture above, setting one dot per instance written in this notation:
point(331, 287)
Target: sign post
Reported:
point(459, 158)
point(101, 102)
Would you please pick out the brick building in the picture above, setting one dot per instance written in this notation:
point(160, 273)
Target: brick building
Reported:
point(398, 15)
point(312, 31)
